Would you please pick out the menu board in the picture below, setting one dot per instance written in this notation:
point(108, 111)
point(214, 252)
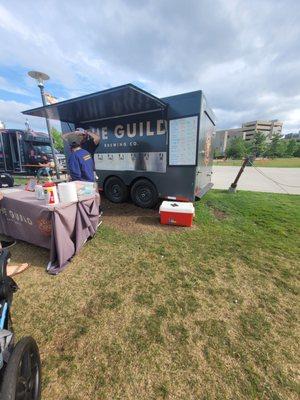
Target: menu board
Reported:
point(183, 141)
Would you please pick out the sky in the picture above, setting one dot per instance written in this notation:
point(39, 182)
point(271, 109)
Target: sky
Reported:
point(244, 55)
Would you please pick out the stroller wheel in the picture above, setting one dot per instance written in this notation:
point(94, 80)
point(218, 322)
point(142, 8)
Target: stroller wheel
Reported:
point(22, 376)
point(6, 180)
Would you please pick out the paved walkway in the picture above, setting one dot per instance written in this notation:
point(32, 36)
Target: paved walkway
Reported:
point(252, 180)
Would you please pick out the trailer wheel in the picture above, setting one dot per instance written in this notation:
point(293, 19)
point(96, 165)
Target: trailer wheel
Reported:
point(115, 190)
point(6, 180)
point(144, 194)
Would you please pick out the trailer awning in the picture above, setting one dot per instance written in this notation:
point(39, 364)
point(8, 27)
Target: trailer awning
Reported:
point(119, 101)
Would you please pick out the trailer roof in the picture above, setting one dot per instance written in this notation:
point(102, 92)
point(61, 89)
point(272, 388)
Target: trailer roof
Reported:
point(119, 101)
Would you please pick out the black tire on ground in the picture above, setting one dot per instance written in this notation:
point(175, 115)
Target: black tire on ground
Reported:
point(144, 194)
point(22, 376)
point(115, 190)
point(6, 180)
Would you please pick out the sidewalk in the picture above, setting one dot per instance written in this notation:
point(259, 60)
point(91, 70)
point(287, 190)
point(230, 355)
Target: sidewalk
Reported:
point(252, 180)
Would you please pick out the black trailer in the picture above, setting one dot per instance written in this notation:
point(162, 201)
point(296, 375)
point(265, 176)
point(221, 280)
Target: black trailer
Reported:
point(150, 148)
point(17, 148)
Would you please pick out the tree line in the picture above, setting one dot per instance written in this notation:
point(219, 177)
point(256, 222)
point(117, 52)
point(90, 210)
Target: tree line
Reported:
point(259, 147)
point(57, 140)
point(238, 148)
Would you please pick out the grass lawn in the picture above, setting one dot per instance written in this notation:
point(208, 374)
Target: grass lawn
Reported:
point(293, 162)
point(19, 180)
point(150, 312)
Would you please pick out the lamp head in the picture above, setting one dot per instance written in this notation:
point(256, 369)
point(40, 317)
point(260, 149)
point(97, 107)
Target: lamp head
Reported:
point(40, 77)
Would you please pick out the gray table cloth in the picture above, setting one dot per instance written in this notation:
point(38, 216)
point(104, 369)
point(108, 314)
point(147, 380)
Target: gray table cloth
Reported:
point(63, 229)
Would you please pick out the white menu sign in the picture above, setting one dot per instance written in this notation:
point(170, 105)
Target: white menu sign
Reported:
point(183, 141)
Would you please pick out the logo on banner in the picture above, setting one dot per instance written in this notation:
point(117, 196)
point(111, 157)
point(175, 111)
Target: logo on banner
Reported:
point(44, 226)
point(14, 216)
point(131, 134)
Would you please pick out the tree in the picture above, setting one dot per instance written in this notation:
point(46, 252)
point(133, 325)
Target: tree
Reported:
point(297, 151)
point(217, 154)
point(291, 147)
point(57, 139)
point(258, 144)
point(236, 149)
point(277, 147)
point(248, 146)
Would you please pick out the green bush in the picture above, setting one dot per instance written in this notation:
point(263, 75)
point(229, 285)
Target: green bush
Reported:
point(297, 151)
point(237, 148)
point(291, 148)
point(258, 145)
point(277, 147)
point(57, 139)
point(217, 154)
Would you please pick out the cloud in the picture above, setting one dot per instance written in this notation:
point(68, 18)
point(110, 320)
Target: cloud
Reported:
point(11, 115)
point(7, 86)
point(244, 55)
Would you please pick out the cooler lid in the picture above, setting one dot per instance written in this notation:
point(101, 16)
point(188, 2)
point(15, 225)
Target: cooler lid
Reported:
point(177, 207)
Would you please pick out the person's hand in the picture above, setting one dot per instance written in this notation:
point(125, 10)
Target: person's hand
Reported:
point(1, 196)
point(94, 136)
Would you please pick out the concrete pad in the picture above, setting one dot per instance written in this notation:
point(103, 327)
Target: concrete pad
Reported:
point(253, 180)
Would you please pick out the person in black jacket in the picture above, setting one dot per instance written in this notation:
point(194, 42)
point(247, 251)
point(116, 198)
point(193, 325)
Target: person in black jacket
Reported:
point(90, 142)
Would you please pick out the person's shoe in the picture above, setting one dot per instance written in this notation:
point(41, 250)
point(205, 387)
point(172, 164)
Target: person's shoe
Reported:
point(6, 244)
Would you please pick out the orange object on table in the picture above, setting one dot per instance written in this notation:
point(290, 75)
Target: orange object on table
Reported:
point(50, 191)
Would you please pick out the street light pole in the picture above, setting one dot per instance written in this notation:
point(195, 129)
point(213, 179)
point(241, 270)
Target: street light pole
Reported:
point(41, 77)
point(41, 86)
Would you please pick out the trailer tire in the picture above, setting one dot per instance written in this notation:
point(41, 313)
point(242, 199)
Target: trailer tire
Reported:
point(6, 180)
point(144, 194)
point(115, 190)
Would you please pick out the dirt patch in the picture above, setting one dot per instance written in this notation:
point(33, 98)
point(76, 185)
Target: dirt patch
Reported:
point(219, 214)
point(129, 218)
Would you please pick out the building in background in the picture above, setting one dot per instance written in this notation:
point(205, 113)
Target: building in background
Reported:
point(223, 137)
point(269, 128)
point(246, 132)
point(290, 136)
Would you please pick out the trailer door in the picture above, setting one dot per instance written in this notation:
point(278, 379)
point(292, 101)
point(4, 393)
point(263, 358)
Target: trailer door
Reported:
point(15, 151)
point(205, 155)
point(7, 152)
point(2, 155)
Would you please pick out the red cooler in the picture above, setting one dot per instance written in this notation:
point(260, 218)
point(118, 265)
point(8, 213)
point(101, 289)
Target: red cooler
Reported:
point(176, 213)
